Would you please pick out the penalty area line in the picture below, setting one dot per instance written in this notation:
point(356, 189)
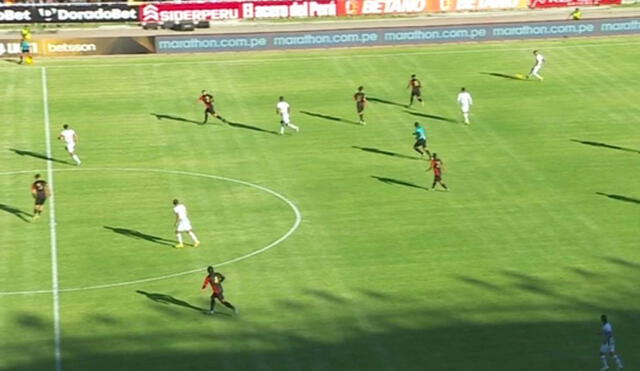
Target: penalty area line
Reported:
point(55, 287)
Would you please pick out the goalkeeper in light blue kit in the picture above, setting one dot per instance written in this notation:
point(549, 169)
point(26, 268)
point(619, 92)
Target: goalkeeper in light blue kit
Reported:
point(420, 145)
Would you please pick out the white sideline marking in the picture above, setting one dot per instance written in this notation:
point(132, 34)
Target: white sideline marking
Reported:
point(355, 56)
point(292, 229)
point(52, 227)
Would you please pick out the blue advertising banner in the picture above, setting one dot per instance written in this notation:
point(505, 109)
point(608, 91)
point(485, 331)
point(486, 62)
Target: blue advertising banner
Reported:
point(395, 36)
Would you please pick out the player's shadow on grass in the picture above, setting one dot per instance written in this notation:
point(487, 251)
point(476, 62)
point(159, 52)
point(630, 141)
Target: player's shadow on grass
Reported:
point(620, 197)
point(386, 153)
point(605, 145)
point(384, 101)
point(141, 236)
point(161, 116)
point(11, 60)
point(41, 156)
point(240, 125)
point(15, 211)
point(169, 300)
point(328, 117)
point(392, 181)
point(434, 117)
point(505, 76)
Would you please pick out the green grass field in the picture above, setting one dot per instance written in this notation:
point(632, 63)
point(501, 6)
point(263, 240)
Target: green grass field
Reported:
point(510, 270)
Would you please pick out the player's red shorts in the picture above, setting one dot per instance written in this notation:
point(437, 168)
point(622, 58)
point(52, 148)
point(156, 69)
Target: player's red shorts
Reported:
point(218, 295)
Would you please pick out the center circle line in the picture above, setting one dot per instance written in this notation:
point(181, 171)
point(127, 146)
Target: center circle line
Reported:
point(291, 230)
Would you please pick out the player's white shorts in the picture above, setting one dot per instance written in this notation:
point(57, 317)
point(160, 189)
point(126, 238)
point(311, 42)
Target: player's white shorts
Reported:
point(184, 225)
point(465, 108)
point(286, 120)
point(606, 348)
point(536, 69)
point(71, 147)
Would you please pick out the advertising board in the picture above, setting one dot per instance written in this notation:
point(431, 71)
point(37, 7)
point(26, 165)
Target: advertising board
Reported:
point(71, 13)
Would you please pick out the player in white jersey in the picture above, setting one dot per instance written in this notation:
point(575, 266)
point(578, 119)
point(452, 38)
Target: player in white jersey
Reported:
point(284, 110)
point(71, 140)
point(465, 101)
point(536, 67)
point(183, 224)
point(608, 345)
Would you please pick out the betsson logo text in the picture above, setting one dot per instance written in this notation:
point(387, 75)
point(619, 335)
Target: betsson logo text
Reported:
point(71, 48)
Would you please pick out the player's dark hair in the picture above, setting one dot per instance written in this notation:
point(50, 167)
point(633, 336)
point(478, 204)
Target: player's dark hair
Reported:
point(414, 75)
point(435, 155)
point(416, 124)
point(65, 126)
point(175, 201)
point(281, 97)
point(463, 89)
point(603, 318)
point(203, 92)
point(210, 270)
point(360, 87)
point(37, 176)
point(535, 51)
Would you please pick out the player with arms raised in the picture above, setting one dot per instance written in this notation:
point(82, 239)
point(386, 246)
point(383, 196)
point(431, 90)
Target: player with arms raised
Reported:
point(209, 109)
point(608, 345)
point(416, 90)
point(40, 191)
point(183, 224)
point(71, 140)
point(438, 168)
point(537, 66)
point(361, 102)
point(215, 279)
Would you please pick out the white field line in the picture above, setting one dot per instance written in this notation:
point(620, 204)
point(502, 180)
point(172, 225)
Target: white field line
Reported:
point(291, 230)
point(292, 58)
point(52, 227)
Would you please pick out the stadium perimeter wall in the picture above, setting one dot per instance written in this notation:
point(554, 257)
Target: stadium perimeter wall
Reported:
point(335, 35)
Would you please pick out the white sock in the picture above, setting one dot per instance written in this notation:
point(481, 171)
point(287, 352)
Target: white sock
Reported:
point(76, 159)
point(603, 358)
point(193, 236)
point(466, 117)
point(281, 130)
point(618, 360)
point(294, 127)
point(179, 235)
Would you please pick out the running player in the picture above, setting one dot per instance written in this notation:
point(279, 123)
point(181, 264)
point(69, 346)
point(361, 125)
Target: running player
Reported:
point(183, 224)
point(215, 279)
point(361, 102)
point(465, 101)
point(416, 90)
point(608, 345)
point(40, 191)
point(284, 110)
point(207, 99)
point(438, 168)
point(420, 145)
point(71, 140)
point(536, 67)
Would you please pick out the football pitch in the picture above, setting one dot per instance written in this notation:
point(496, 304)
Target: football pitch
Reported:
point(335, 253)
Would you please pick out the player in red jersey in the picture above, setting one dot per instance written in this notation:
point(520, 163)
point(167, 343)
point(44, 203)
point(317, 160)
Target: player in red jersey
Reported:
point(416, 90)
point(215, 279)
point(207, 99)
point(361, 101)
point(438, 168)
point(40, 191)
